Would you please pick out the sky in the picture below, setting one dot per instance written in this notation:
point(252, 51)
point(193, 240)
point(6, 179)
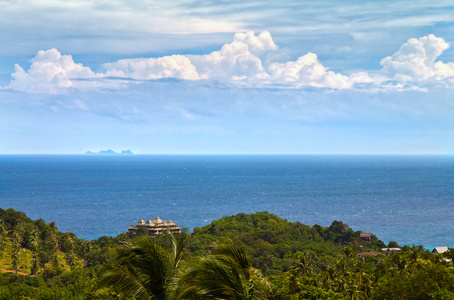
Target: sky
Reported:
point(227, 77)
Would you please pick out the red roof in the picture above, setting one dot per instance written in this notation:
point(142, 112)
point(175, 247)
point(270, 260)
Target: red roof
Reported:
point(365, 235)
point(368, 253)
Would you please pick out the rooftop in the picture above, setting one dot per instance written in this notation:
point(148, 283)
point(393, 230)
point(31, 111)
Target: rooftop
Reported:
point(368, 253)
point(155, 227)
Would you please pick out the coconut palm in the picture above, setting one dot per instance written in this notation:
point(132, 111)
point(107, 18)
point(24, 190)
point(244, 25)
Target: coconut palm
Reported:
point(300, 274)
point(362, 277)
point(16, 250)
point(34, 243)
point(226, 275)
point(53, 244)
point(16, 246)
point(3, 234)
point(305, 266)
point(353, 292)
point(70, 255)
point(144, 269)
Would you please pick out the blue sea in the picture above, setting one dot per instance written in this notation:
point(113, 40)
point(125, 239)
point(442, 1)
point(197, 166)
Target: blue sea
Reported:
point(409, 199)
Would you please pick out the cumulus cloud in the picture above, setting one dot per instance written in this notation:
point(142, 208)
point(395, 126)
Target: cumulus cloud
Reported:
point(237, 61)
point(308, 71)
point(258, 45)
point(175, 66)
point(52, 73)
point(249, 61)
point(415, 61)
point(246, 61)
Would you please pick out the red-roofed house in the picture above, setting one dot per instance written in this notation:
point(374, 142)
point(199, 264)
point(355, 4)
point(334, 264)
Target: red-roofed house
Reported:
point(368, 253)
point(366, 236)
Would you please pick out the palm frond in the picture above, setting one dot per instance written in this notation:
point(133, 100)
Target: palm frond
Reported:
point(178, 244)
point(236, 253)
point(143, 269)
point(125, 280)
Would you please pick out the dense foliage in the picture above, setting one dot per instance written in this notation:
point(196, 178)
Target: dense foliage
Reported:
point(57, 265)
point(274, 243)
point(256, 256)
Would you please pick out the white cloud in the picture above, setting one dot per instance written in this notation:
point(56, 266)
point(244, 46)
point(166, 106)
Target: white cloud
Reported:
point(308, 71)
point(257, 45)
point(52, 73)
point(175, 66)
point(237, 61)
point(245, 62)
point(415, 61)
point(248, 61)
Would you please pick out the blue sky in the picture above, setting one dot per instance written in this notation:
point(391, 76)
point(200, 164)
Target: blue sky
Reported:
point(227, 77)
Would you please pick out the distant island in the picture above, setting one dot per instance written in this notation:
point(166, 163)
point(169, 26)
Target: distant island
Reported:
point(110, 152)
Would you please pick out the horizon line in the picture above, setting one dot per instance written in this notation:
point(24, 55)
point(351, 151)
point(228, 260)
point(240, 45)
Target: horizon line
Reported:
point(225, 154)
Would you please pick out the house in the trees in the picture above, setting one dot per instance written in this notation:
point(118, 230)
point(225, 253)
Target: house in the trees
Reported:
point(392, 250)
point(156, 227)
point(439, 250)
point(368, 254)
point(365, 236)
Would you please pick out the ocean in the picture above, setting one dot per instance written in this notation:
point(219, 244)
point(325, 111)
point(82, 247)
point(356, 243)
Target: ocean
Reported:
point(408, 199)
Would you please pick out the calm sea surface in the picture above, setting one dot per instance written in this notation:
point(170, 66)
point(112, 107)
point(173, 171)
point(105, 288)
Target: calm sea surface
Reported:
point(409, 199)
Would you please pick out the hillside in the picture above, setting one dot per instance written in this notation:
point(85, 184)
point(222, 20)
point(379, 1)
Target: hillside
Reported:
point(270, 258)
point(275, 242)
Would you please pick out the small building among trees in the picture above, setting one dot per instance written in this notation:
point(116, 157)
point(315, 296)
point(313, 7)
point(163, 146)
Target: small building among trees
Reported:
point(392, 250)
point(155, 227)
point(366, 236)
point(368, 254)
point(440, 250)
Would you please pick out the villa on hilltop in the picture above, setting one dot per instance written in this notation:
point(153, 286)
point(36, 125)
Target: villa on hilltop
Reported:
point(365, 236)
point(156, 227)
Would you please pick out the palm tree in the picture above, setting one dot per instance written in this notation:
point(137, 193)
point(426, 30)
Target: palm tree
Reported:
point(226, 275)
point(16, 251)
point(34, 264)
point(362, 277)
point(70, 255)
point(143, 269)
point(301, 273)
point(305, 266)
point(353, 292)
point(53, 244)
point(3, 233)
point(16, 247)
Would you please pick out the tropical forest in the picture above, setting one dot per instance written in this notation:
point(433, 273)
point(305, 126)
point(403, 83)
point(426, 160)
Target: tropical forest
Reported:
point(245, 256)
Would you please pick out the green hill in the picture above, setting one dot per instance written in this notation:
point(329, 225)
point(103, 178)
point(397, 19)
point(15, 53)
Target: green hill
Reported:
point(287, 260)
point(274, 243)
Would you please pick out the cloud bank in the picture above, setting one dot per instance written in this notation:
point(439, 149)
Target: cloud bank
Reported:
point(51, 72)
point(415, 61)
point(248, 61)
